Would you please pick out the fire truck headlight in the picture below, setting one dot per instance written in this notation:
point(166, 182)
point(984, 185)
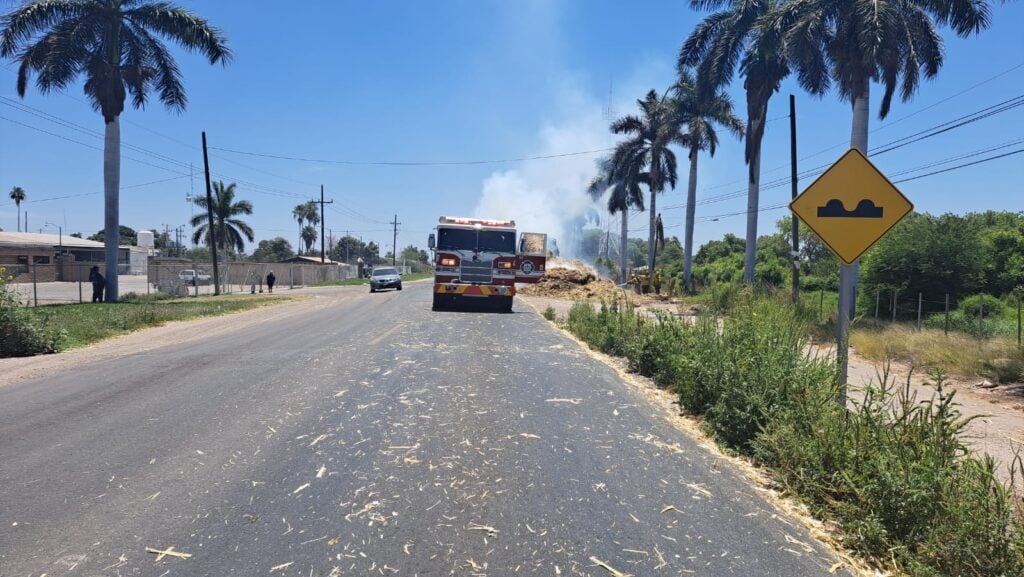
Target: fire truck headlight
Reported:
point(447, 262)
point(504, 265)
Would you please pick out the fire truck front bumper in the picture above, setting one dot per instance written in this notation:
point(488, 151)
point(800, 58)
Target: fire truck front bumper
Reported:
point(470, 290)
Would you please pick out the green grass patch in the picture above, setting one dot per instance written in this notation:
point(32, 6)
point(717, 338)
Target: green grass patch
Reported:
point(893, 470)
point(83, 324)
point(366, 281)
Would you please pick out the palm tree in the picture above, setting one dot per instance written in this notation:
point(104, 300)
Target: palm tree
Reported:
point(739, 34)
point(309, 237)
point(650, 136)
point(18, 196)
point(853, 43)
point(115, 45)
point(304, 213)
point(230, 230)
point(623, 182)
point(299, 214)
point(699, 110)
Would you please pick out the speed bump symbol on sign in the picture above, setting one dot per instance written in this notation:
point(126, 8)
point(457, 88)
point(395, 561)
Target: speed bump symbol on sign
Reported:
point(850, 206)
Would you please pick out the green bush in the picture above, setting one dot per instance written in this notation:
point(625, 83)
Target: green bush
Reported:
point(960, 321)
point(19, 336)
point(972, 305)
point(893, 470)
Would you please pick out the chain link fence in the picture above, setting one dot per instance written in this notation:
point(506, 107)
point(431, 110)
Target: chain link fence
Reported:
point(64, 283)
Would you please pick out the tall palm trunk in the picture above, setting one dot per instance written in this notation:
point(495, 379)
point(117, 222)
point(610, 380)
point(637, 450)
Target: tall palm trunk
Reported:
point(19, 216)
point(858, 140)
point(756, 113)
point(753, 200)
point(111, 189)
point(691, 209)
point(651, 240)
point(848, 274)
point(623, 245)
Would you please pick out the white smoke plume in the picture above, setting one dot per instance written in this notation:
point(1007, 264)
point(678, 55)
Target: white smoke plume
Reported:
point(548, 195)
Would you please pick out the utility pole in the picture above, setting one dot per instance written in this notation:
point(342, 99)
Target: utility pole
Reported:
point(323, 221)
point(394, 241)
point(796, 225)
point(210, 221)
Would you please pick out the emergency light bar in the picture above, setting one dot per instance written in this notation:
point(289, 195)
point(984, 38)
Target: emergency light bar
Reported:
point(476, 221)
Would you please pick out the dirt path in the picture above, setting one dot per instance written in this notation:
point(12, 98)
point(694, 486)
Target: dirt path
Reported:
point(998, 425)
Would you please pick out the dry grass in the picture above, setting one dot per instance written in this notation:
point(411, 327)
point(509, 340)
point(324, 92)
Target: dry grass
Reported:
point(957, 353)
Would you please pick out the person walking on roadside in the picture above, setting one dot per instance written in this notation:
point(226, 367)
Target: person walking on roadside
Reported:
point(271, 279)
point(98, 284)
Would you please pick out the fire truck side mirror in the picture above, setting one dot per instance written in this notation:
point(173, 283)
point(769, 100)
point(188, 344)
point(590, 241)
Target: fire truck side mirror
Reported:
point(522, 244)
point(431, 242)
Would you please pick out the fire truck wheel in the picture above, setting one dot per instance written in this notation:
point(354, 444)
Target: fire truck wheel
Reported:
point(504, 304)
point(437, 303)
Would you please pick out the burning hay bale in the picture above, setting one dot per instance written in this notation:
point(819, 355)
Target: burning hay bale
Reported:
point(571, 280)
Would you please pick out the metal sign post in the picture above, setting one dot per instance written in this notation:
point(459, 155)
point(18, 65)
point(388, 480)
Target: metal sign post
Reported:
point(850, 206)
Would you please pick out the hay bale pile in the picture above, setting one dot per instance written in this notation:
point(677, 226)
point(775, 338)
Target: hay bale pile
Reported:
point(575, 283)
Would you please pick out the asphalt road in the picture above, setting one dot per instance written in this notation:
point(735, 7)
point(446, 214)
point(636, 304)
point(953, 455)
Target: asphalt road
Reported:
point(371, 436)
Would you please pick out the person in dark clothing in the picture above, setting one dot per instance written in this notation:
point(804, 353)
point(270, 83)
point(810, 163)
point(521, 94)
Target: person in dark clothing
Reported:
point(98, 284)
point(271, 279)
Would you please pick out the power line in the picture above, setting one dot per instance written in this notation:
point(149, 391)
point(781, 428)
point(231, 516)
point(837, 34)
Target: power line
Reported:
point(941, 128)
point(951, 125)
point(27, 109)
point(47, 199)
point(983, 160)
point(415, 163)
point(886, 125)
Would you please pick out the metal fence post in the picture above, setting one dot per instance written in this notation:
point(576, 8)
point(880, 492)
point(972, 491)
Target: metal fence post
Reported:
point(947, 315)
point(35, 289)
point(919, 311)
point(79, 284)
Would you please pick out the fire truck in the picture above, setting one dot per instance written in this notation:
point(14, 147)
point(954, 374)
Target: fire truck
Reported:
point(478, 262)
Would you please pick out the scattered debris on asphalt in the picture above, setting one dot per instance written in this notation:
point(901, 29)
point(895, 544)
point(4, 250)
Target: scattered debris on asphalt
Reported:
point(168, 552)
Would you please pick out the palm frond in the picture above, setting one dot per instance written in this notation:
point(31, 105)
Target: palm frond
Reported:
point(33, 18)
point(193, 33)
point(627, 125)
point(705, 36)
point(166, 74)
point(242, 227)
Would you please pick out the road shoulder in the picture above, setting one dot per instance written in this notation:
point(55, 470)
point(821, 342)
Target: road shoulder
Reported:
point(19, 369)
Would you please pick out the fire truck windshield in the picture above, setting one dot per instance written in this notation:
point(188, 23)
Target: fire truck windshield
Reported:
point(476, 240)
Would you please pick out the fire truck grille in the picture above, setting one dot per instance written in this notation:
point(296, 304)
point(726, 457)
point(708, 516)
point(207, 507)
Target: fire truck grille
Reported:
point(479, 272)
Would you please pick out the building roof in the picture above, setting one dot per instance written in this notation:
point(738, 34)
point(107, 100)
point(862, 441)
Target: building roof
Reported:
point(312, 260)
point(35, 240)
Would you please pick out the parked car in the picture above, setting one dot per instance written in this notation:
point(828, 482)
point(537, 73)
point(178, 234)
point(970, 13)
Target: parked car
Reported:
point(190, 275)
point(385, 277)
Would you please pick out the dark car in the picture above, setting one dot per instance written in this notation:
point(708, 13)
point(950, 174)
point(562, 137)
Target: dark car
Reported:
point(385, 277)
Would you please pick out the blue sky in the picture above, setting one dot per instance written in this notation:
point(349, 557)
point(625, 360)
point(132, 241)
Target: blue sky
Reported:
point(468, 80)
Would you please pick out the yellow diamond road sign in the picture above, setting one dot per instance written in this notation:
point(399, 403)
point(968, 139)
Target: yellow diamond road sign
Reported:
point(851, 205)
